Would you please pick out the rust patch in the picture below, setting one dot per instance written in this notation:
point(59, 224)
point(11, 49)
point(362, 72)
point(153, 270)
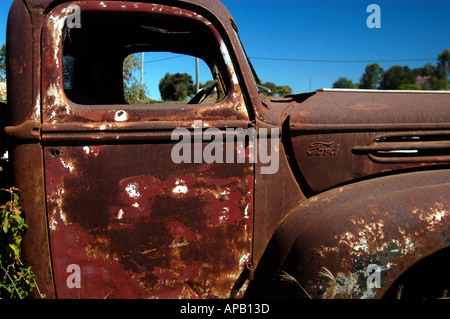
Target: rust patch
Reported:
point(381, 240)
point(390, 223)
point(145, 227)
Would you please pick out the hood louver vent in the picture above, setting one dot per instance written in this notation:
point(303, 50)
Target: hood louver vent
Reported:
point(408, 148)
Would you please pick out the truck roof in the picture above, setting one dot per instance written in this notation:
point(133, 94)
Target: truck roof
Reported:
point(214, 6)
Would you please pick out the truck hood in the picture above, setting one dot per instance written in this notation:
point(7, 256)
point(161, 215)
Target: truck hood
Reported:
point(372, 107)
point(336, 136)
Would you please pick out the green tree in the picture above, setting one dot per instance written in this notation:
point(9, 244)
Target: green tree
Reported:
point(423, 76)
point(343, 83)
point(16, 280)
point(283, 90)
point(371, 77)
point(428, 77)
point(134, 92)
point(3, 63)
point(176, 87)
point(438, 84)
point(408, 86)
point(427, 70)
point(443, 66)
point(277, 90)
point(396, 76)
point(271, 86)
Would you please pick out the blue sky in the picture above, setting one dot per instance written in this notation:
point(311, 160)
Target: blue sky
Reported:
point(329, 37)
point(336, 30)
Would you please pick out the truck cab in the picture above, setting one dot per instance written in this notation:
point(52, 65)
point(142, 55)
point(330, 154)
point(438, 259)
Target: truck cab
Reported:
point(361, 177)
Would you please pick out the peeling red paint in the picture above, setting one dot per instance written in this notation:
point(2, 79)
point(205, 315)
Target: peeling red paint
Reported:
point(162, 240)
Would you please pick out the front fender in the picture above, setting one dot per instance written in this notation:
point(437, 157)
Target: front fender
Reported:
point(390, 222)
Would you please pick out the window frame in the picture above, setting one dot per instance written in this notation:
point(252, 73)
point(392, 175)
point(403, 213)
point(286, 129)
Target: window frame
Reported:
point(58, 109)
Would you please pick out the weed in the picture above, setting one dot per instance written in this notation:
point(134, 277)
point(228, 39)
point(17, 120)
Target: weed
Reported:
point(16, 280)
point(336, 287)
point(287, 277)
point(399, 291)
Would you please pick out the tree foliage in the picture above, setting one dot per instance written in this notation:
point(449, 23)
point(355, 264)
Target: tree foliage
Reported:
point(176, 87)
point(3, 63)
point(16, 280)
point(428, 77)
point(443, 64)
point(371, 77)
point(277, 90)
point(344, 83)
point(134, 92)
point(395, 76)
point(283, 90)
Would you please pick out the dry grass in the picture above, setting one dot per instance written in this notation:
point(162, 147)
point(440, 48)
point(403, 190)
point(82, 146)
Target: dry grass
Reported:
point(287, 277)
point(335, 285)
point(399, 291)
point(324, 272)
point(338, 289)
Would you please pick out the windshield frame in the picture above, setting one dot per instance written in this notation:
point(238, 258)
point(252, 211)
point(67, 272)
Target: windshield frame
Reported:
point(255, 78)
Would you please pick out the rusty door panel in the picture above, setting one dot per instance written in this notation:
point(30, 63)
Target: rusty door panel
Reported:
point(135, 223)
point(140, 227)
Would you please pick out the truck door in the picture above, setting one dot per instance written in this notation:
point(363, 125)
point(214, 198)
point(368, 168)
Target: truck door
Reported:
point(135, 208)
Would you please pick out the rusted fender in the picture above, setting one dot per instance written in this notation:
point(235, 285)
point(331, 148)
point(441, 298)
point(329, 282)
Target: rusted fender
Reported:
point(391, 222)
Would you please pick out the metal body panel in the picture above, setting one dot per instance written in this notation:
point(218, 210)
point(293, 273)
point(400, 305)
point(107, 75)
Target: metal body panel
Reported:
point(25, 153)
point(391, 222)
point(341, 136)
point(275, 196)
point(28, 174)
point(137, 224)
point(140, 226)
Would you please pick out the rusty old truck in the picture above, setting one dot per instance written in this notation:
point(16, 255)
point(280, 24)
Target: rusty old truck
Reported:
point(343, 193)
